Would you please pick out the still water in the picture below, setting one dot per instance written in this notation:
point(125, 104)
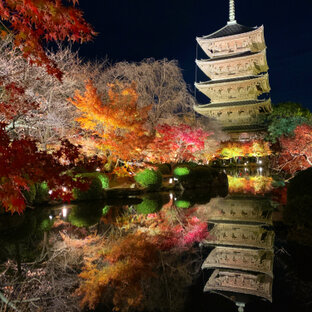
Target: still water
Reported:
point(245, 263)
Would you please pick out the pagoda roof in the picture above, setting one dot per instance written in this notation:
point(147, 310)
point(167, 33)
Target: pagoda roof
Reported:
point(231, 79)
point(238, 103)
point(236, 56)
point(230, 30)
point(245, 128)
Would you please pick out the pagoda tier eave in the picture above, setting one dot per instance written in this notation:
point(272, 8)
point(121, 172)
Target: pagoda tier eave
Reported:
point(249, 65)
point(231, 58)
point(251, 41)
point(234, 115)
point(235, 89)
point(229, 81)
point(230, 37)
point(227, 105)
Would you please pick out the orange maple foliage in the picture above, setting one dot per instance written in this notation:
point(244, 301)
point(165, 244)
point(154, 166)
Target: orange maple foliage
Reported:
point(116, 121)
point(114, 271)
point(33, 22)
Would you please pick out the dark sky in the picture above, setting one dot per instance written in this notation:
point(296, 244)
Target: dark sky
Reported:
point(132, 30)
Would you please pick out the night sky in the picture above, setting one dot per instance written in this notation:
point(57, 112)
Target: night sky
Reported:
point(131, 30)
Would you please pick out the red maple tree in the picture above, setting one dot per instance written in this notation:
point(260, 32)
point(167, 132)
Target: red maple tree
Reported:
point(176, 143)
point(22, 165)
point(296, 150)
point(35, 22)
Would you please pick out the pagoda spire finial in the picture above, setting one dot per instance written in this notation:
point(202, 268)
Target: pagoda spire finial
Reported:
point(232, 13)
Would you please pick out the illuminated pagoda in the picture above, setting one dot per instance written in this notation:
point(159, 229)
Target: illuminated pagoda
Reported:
point(237, 68)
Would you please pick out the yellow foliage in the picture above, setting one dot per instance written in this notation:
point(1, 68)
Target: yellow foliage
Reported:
point(114, 272)
point(116, 119)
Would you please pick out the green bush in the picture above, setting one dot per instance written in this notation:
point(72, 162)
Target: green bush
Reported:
point(46, 224)
point(149, 179)
point(181, 171)
point(99, 182)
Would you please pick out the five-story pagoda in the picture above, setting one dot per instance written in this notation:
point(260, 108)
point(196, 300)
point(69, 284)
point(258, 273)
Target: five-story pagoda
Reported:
point(237, 67)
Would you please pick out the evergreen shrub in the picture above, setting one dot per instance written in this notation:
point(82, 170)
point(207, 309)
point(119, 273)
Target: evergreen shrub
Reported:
point(149, 179)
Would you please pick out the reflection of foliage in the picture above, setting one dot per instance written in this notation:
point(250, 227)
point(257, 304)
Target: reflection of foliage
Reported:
point(148, 206)
point(182, 203)
point(235, 149)
point(114, 271)
point(151, 203)
point(85, 215)
point(149, 178)
point(105, 210)
point(175, 275)
point(254, 185)
point(121, 271)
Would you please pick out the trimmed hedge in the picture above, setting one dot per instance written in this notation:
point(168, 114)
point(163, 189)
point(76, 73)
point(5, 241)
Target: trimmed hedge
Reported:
point(150, 179)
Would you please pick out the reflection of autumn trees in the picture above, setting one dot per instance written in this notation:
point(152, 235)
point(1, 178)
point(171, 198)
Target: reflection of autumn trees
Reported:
point(250, 185)
point(121, 269)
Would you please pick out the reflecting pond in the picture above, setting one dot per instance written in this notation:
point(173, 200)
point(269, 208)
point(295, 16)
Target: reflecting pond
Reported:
point(221, 249)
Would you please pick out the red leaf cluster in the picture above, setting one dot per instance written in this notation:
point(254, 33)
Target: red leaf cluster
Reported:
point(296, 150)
point(175, 143)
point(34, 22)
point(16, 102)
point(22, 165)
